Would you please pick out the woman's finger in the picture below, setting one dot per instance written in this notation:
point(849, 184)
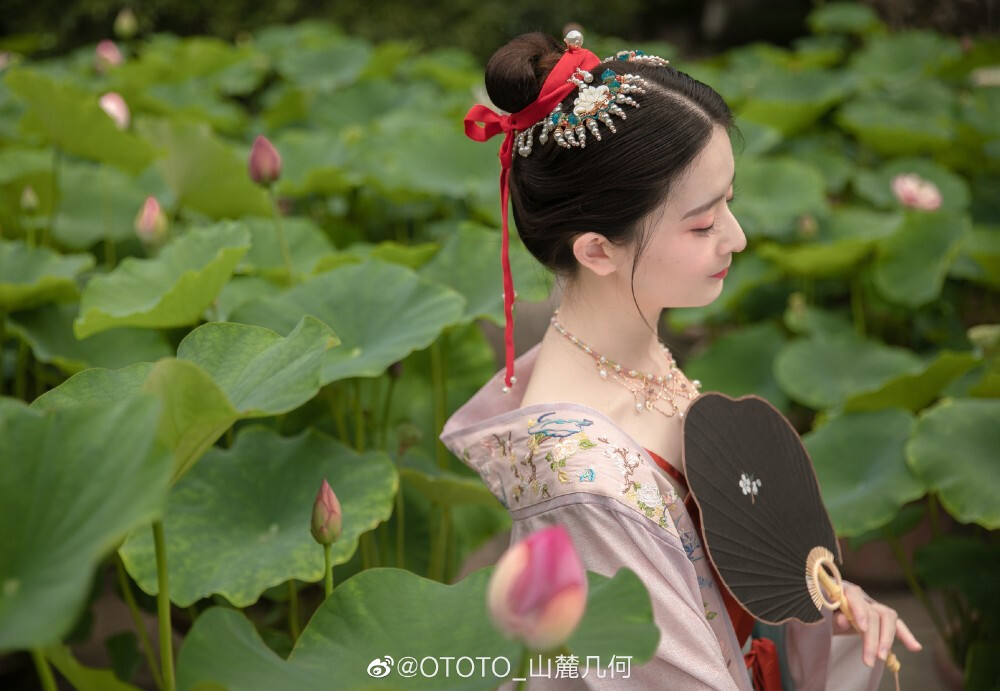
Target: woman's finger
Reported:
point(906, 636)
point(856, 601)
point(871, 636)
point(887, 630)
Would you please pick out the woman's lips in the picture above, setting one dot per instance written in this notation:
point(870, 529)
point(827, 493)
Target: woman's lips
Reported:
point(721, 274)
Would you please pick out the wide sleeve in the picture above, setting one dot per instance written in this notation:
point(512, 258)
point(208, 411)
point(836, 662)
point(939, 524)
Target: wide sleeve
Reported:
point(609, 537)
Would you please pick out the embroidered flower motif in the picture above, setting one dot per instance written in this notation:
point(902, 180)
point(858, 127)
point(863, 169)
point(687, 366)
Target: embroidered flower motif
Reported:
point(548, 426)
point(709, 614)
point(649, 495)
point(749, 486)
point(588, 475)
point(591, 99)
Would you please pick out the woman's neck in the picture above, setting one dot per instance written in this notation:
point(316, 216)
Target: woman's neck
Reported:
point(612, 326)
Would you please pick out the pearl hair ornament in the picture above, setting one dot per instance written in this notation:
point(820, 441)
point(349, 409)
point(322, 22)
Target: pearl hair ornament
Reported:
point(593, 104)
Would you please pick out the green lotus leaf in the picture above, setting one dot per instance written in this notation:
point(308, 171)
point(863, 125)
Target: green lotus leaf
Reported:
point(953, 450)
point(81, 677)
point(33, 276)
point(326, 67)
point(857, 223)
point(816, 322)
point(904, 57)
point(825, 373)
point(171, 290)
point(205, 173)
point(792, 101)
point(844, 18)
point(381, 313)
point(238, 290)
point(818, 260)
point(832, 154)
point(979, 257)
point(962, 562)
point(411, 256)
point(911, 264)
point(912, 120)
point(73, 483)
point(73, 120)
point(741, 363)
point(469, 262)
point(917, 390)
point(774, 193)
point(757, 139)
point(238, 523)
point(861, 468)
point(349, 633)
point(207, 60)
point(316, 161)
point(18, 162)
point(95, 385)
point(98, 201)
point(48, 330)
point(876, 185)
point(442, 486)
point(306, 244)
point(260, 372)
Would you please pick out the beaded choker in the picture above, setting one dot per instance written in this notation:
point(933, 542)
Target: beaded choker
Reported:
point(647, 389)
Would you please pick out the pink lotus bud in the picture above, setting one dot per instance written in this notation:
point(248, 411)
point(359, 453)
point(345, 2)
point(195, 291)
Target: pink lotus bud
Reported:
point(538, 590)
point(126, 24)
point(913, 191)
point(151, 223)
point(114, 105)
point(265, 163)
point(326, 519)
point(29, 199)
point(106, 56)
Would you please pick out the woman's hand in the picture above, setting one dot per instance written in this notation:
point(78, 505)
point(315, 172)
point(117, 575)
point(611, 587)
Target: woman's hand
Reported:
point(879, 625)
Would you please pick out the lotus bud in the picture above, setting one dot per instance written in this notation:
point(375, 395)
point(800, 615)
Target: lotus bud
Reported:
point(126, 24)
point(29, 199)
point(538, 590)
point(326, 518)
point(807, 226)
point(114, 105)
point(913, 191)
point(265, 163)
point(106, 56)
point(151, 223)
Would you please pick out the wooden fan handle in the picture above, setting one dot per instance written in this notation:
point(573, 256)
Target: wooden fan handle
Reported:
point(836, 593)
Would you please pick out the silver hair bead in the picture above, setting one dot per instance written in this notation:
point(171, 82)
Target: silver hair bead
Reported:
point(574, 39)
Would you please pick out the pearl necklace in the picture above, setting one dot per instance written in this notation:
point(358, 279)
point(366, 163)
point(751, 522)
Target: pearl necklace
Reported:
point(646, 388)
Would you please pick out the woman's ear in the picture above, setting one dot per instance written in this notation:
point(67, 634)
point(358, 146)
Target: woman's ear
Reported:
point(595, 252)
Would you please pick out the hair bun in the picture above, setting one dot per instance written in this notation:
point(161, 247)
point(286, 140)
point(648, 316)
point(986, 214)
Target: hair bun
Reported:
point(516, 72)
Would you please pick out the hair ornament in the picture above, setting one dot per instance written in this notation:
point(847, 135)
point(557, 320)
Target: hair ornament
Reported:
point(593, 104)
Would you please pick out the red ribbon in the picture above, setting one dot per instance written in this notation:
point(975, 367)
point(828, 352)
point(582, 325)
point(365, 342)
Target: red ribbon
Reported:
point(482, 123)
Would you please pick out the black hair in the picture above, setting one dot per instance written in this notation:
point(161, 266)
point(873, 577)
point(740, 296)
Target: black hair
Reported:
point(609, 187)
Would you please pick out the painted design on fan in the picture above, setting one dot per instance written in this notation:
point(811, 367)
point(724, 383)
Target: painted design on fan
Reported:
point(749, 486)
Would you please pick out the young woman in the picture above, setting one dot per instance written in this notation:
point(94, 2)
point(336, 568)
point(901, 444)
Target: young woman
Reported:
point(620, 173)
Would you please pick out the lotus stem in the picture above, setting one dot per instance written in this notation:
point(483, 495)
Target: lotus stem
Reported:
point(293, 611)
point(3, 337)
point(50, 230)
point(109, 243)
point(328, 572)
point(439, 548)
point(916, 588)
point(359, 417)
point(440, 403)
point(45, 675)
point(522, 668)
point(386, 406)
point(857, 305)
point(400, 525)
point(282, 243)
point(21, 376)
point(163, 609)
point(140, 628)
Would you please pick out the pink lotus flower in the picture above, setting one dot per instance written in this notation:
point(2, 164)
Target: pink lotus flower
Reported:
point(106, 56)
point(114, 105)
point(326, 517)
point(151, 223)
point(913, 191)
point(538, 590)
point(265, 162)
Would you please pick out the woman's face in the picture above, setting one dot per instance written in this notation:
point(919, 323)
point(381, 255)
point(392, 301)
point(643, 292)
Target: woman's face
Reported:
point(693, 236)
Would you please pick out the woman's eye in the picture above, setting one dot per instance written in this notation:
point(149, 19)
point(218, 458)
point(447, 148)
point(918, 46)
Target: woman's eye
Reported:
point(710, 229)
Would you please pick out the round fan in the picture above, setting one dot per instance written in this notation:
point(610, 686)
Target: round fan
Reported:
point(764, 525)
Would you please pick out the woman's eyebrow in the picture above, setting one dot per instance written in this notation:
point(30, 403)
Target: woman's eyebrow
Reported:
point(705, 207)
